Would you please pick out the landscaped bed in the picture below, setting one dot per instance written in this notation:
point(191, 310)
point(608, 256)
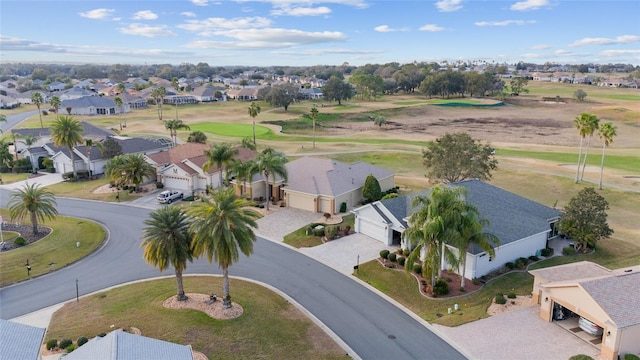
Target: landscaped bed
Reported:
point(316, 233)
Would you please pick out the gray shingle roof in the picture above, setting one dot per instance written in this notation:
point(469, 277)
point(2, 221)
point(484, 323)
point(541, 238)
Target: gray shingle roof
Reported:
point(573, 271)
point(119, 345)
point(88, 101)
point(19, 342)
point(618, 296)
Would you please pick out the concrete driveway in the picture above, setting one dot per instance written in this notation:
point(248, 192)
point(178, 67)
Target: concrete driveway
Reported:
point(519, 334)
point(43, 179)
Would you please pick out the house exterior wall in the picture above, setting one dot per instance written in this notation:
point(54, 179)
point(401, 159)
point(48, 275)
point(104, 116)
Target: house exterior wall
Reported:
point(386, 184)
point(325, 204)
point(301, 201)
point(481, 265)
point(372, 229)
point(629, 343)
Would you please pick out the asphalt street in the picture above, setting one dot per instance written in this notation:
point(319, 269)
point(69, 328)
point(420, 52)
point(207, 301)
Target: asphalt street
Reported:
point(15, 119)
point(372, 326)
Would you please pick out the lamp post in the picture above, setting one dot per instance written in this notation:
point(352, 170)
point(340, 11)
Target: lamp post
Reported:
point(28, 268)
point(77, 292)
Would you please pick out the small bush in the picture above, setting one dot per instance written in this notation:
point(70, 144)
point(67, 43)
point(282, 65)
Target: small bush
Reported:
point(326, 215)
point(45, 113)
point(70, 348)
point(511, 295)
point(546, 252)
point(83, 174)
point(462, 289)
point(159, 185)
point(441, 287)
point(343, 207)
point(631, 357)
point(581, 357)
point(188, 198)
point(533, 258)
point(330, 232)
point(568, 251)
point(389, 196)
point(318, 230)
point(510, 265)
point(64, 343)
point(417, 268)
point(52, 344)
point(392, 257)
point(521, 262)
point(475, 281)
point(68, 175)
point(500, 299)
point(399, 251)
point(102, 334)
point(406, 252)
point(401, 260)
point(20, 241)
point(82, 340)
point(384, 253)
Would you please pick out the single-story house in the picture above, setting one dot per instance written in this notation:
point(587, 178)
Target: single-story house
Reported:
point(90, 105)
point(19, 341)
point(120, 345)
point(322, 185)
point(56, 86)
point(522, 226)
point(25, 97)
point(207, 93)
point(180, 168)
point(8, 102)
point(76, 93)
point(607, 298)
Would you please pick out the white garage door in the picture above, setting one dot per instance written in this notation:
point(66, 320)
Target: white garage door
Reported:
point(175, 183)
point(301, 202)
point(371, 229)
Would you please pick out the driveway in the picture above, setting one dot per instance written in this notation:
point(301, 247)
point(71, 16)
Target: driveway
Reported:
point(282, 221)
point(44, 179)
point(519, 334)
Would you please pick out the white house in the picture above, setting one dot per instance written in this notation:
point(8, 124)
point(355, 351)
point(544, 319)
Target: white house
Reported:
point(90, 105)
point(522, 226)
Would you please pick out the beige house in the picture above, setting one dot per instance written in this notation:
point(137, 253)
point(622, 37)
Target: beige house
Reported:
point(608, 298)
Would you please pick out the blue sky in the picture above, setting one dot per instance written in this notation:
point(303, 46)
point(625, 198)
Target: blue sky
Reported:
point(310, 32)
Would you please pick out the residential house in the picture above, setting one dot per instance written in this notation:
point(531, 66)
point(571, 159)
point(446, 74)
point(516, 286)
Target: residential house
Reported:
point(246, 94)
point(311, 94)
point(120, 345)
point(91, 105)
point(25, 97)
point(85, 84)
point(19, 341)
point(322, 185)
point(76, 93)
point(8, 102)
point(207, 93)
point(522, 226)
point(608, 298)
point(56, 86)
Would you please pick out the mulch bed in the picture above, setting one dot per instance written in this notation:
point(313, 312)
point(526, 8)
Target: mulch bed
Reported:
point(26, 232)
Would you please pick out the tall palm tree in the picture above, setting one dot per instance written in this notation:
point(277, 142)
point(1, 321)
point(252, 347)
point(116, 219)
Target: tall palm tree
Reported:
point(173, 126)
point(247, 143)
point(113, 169)
point(120, 88)
point(118, 101)
point(243, 171)
point(56, 103)
point(29, 140)
point(606, 132)
point(34, 201)
point(219, 155)
point(89, 144)
point(591, 126)
point(167, 242)
point(158, 95)
point(67, 131)
point(580, 124)
point(37, 100)
point(222, 227)
point(131, 169)
point(254, 110)
point(270, 162)
point(5, 156)
point(314, 116)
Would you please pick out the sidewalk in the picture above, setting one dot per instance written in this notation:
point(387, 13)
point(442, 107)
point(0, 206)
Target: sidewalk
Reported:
point(44, 179)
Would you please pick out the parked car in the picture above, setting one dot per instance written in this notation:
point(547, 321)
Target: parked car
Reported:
point(169, 196)
point(590, 327)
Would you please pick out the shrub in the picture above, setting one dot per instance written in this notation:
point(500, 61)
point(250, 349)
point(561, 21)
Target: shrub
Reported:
point(64, 343)
point(326, 215)
point(318, 230)
point(20, 241)
point(399, 251)
point(371, 189)
point(568, 251)
point(389, 196)
point(401, 260)
point(309, 229)
point(500, 299)
point(188, 198)
point(533, 258)
point(52, 344)
point(45, 112)
point(441, 287)
point(510, 265)
point(70, 348)
point(511, 295)
point(581, 357)
point(392, 257)
point(475, 281)
point(417, 268)
point(159, 185)
point(384, 253)
point(343, 207)
point(631, 357)
point(68, 175)
point(102, 334)
point(546, 252)
point(521, 262)
point(330, 232)
point(406, 252)
point(82, 340)
point(462, 289)
point(83, 174)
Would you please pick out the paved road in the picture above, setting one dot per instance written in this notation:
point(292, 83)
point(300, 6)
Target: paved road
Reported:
point(15, 119)
point(373, 327)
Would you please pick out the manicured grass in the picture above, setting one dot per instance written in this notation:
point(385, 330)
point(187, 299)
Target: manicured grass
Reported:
point(230, 129)
point(9, 236)
point(20, 109)
point(8, 178)
point(453, 101)
point(416, 102)
point(270, 327)
point(626, 163)
point(299, 238)
point(399, 162)
point(84, 190)
point(53, 252)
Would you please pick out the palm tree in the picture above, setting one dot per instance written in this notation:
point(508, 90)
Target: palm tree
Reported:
point(243, 171)
point(158, 95)
point(118, 101)
point(3, 118)
point(314, 116)
point(56, 103)
point(221, 226)
point(130, 169)
point(29, 140)
point(39, 203)
point(270, 162)
point(89, 144)
point(254, 110)
point(591, 126)
point(167, 242)
point(67, 131)
point(37, 100)
point(247, 143)
point(197, 137)
point(113, 169)
point(120, 88)
point(219, 155)
point(173, 126)
point(580, 123)
point(606, 132)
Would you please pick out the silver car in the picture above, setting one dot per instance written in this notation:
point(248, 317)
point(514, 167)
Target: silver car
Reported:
point(590, 327)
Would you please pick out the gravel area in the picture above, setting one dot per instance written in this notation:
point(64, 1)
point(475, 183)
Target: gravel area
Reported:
point(26, 231)
point(202, 303)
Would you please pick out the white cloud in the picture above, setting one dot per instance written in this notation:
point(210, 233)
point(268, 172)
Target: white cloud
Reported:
point(431, 27)
point(316, 52)
point(386, 28)
point(116, 19)
point(145, 15)
point(200, 2)
point(619, 52)
point(301, 11)
point(147, 31)
point(529, 5)
point(359, 4)
point(223, 23)
point(563, 52)
point(449, 5)
point(541, 47)
point(504, 22)
point(188, 14)
point(269, 38)
point(624, 39)
point(97, 13)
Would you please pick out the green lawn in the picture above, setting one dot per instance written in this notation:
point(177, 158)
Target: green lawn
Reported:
point(299, 238)
point(85, 190)
point(53, 252)
point(626, 163)
point(230, 129)
point(270, 327)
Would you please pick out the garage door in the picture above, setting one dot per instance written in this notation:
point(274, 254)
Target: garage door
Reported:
point(301, 202)
point(175, 183)
point(371, 229)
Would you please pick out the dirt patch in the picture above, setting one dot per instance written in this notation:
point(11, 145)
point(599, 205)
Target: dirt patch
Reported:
point(201, 302)
point(512, 304)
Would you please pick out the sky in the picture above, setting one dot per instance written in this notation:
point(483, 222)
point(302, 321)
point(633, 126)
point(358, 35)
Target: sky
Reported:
point(319, 32)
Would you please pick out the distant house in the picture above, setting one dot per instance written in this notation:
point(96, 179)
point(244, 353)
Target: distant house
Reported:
point(246, 94)
point(311, 94)
point(322, 185)
point(522, 226)
point(120, 345)
point(91, 105)
point(207, 93)
point(85, 84)
point(56, 86)
point(25, 97)
point(19, 341)
point(76, 93)
point(8, 102)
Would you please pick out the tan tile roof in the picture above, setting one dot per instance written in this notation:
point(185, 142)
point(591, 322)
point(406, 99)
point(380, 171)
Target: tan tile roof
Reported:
point(179, 153)
point(573, 271)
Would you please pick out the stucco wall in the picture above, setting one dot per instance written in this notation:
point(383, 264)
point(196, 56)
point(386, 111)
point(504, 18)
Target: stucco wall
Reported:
point(482, 265)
